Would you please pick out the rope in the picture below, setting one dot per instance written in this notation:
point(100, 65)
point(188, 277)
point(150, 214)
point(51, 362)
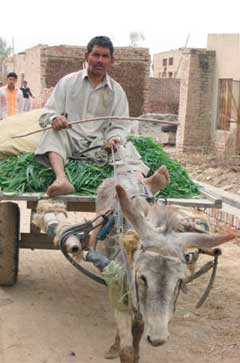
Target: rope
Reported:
point(119, 222)
point(204, 269)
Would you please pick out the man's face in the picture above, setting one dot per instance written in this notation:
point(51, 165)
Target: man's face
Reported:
point(99, 61)
point(11, 81)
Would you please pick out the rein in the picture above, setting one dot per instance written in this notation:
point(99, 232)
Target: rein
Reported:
point(215, 253)
point(81, 231)
point(82, 156)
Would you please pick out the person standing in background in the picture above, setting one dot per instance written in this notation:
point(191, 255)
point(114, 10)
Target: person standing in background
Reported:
point(11, 97)
point(26, 95)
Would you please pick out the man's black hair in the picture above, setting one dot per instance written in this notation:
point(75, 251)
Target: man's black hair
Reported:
point(102, 41)
point(12, 74)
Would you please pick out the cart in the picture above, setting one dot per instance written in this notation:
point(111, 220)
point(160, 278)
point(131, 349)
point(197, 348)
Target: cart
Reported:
point(12, 238)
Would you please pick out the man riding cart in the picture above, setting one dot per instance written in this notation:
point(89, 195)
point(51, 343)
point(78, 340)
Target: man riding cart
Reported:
point(82, 95)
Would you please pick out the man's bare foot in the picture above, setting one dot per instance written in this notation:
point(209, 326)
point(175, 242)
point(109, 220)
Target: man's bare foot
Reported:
point(60, 187)
point(158, 180)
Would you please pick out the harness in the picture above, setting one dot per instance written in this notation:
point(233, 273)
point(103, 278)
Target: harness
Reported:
point(115, 217)
point(98, 161)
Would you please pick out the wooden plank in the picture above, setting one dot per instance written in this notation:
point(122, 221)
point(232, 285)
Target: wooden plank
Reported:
point(229, 198)
point(82, 206)
point(35, 197)
point(72, 206)
point(87, 204)
point(37, 241)
point(224, 104)
point(196, 203)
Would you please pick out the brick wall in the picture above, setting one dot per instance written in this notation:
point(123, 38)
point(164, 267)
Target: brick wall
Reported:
point(57, 61)
point(220, 219)
point(162, 96)
point(131, 76)
point(196, 92)
point(130, 69)
point(27, 66)
point(43, 66)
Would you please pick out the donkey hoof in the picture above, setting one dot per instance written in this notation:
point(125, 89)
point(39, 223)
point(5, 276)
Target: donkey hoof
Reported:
point(112, 353)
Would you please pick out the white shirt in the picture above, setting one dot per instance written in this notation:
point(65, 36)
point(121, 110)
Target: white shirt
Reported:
point(75, 96)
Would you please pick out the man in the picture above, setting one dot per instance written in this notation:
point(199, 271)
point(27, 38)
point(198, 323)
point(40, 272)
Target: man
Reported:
point(83, 95)
point(11, 98)
point(26, 95)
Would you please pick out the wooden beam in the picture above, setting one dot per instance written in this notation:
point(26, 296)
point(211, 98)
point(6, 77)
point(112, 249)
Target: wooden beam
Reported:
point(87, 204)
point(39, 241)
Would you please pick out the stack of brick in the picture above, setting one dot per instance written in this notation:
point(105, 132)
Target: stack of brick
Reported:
point(220, 219)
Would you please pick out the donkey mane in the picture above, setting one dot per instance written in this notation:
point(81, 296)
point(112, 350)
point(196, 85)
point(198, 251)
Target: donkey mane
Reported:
point(163, 217)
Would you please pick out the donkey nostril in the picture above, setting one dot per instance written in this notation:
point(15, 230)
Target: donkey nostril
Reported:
point(156, 342)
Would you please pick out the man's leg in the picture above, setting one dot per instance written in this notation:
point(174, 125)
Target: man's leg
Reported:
point(158, 180)
point(155, 182)
point(27, 105)
point(61, 185)
point(53, 151)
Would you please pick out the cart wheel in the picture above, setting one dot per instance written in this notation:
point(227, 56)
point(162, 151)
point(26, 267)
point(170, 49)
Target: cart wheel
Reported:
point(9, 243)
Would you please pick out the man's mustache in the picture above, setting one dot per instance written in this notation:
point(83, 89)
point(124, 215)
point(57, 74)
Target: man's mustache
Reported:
point(99, 65)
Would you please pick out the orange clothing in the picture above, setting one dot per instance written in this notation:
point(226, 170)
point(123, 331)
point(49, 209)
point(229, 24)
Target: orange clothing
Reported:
point(11, 101)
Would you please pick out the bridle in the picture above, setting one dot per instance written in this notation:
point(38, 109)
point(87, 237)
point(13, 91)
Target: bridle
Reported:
point(190, 258)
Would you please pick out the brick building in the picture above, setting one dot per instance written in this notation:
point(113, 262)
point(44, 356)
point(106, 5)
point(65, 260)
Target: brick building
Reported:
point(167, 64)
point(42, 66)
point(209, 108)
point(226, 94)
point(196, 97)
point(206, 92)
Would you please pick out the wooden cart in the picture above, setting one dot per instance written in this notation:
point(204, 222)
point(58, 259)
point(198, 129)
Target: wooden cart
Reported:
point(12, 238)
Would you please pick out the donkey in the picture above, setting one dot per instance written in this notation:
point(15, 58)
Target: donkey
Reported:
point(156, 267)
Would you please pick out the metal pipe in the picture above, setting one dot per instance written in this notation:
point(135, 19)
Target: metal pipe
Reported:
point(73, 245)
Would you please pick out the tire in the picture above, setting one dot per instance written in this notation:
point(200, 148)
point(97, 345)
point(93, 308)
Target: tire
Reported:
point(9, 243)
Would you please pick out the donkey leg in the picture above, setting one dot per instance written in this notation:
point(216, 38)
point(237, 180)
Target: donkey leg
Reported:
point(124, 324)
point(113, 351)
point(137, 332)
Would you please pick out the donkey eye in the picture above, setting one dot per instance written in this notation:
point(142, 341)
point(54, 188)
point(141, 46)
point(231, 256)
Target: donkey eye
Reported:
point(144, 280)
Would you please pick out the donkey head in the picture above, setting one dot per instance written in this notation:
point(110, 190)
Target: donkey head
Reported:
point(159, 267)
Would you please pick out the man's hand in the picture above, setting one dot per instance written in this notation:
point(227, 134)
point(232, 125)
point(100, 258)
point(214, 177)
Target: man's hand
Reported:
point(60, 122)
point(115, 142)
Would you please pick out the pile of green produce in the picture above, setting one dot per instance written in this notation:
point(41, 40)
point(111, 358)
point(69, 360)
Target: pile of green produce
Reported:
point(23, 174)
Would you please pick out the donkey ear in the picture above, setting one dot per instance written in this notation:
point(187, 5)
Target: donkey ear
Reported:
point(132, 213)
point(204, 240)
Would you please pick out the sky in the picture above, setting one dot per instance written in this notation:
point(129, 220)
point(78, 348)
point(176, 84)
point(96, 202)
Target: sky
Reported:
point(165, 24)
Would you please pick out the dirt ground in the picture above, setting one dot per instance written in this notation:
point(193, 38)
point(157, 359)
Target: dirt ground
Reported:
point(56, 315)
point(216, 171)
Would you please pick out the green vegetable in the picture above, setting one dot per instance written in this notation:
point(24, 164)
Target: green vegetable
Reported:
point(23, 174)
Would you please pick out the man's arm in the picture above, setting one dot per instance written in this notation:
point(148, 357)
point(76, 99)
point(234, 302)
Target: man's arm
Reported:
point(30, 93)
point(55, 106)
point(119, 129)
point(1, 103)
point(20, 102)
